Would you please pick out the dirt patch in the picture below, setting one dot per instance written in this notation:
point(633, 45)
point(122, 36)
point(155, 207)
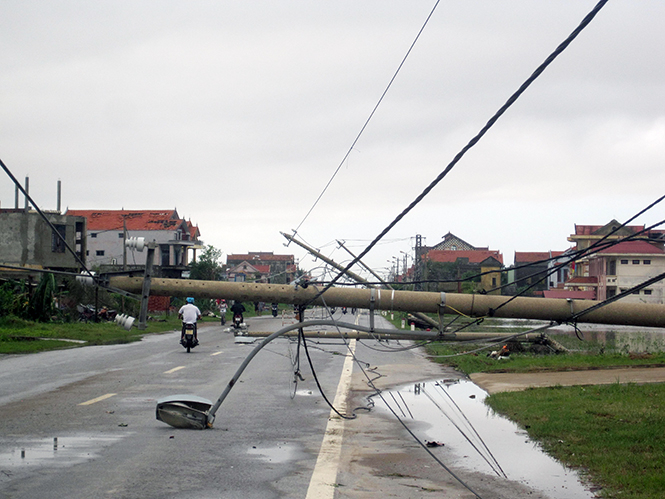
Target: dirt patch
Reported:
point(510, 382)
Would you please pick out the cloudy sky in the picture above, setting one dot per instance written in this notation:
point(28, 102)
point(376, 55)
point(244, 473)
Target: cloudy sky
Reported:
point(238, 113)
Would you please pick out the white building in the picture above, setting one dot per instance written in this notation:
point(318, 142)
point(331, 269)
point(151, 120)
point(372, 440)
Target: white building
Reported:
point(108, 229)
point(628, 264)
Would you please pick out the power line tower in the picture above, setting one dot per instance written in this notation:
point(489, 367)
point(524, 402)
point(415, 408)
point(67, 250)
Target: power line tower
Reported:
point(419, 271)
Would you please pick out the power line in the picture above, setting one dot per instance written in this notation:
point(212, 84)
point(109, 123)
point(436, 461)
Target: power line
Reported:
point(511, 100)
point(355, 141)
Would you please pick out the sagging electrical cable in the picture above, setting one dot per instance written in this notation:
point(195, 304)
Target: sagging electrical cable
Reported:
point(629, 291)
point(355, 141)
point(44, 217)
point(451, 401)
point(475, 139)
point(492, 463)
point(379, 393)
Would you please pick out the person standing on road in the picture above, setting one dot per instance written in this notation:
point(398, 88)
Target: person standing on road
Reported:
point(189, 314)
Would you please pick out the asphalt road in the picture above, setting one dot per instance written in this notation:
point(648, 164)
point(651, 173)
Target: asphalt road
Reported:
point(99, 403)
point(80, 423)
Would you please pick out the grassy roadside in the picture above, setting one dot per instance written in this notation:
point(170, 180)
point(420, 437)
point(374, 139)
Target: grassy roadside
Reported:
point(613, 434)
point(18, 336)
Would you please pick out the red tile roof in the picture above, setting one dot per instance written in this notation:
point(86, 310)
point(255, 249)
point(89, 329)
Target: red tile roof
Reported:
point(261, 256)
point(580, 281)
point(587, 230)
point(535, 256)
point(135, 219)
point(474, 256)
point(633, 247)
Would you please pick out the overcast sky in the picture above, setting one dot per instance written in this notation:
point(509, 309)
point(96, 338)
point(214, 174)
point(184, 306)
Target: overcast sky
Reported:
point(237, 113)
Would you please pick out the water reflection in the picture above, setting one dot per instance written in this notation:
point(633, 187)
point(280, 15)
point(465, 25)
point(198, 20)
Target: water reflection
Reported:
point(477, 439)
point(63, 451)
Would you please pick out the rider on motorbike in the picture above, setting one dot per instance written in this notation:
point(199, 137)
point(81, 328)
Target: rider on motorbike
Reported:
point(238, 309)
point(189, 314)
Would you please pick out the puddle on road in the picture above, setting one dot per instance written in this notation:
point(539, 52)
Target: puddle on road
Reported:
point(278, 454)
point(58, 451)
point(479, 439)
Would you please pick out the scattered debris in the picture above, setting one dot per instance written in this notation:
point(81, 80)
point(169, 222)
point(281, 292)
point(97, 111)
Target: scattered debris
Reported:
point(433, 443)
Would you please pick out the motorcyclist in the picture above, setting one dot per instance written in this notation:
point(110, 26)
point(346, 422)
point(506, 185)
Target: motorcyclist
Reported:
point(238, 309)
point(222, 310)
point(189, 314)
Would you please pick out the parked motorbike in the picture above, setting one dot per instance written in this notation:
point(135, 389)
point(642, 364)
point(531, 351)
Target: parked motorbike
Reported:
point(274, 308)
point(188, 340)
point(343, 310)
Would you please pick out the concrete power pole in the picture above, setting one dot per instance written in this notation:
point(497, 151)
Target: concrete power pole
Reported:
point(558, 310)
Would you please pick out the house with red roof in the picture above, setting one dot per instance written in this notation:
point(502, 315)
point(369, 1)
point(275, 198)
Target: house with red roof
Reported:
point(535, 269)
point(454, 263)
point(268, 267)
point(625, 265)
point(587, 235)
point(108, 229)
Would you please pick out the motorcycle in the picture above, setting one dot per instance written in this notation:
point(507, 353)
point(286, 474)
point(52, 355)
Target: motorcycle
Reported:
point(188, 340)
point(222, 312)
point(344, 310)
point(274, 308)
point(237, 321)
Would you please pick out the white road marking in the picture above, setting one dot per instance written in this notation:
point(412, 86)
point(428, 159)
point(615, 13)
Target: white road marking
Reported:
point(98, 399)
point(322, 483)
point(216, 353)
point(174, 369)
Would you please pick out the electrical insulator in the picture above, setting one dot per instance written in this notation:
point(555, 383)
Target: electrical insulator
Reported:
point(135, 243)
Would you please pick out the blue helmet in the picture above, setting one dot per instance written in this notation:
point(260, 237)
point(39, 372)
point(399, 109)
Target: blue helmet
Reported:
point(190, 300)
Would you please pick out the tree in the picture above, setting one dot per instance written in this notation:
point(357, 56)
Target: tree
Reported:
point(207, 267)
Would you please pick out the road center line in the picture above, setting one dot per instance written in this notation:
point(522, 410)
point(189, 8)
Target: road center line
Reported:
point(98, 399)
point(174, 369)
point(322, 483)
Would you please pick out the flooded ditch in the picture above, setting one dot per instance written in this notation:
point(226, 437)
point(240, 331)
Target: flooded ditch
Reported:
point(468, 434)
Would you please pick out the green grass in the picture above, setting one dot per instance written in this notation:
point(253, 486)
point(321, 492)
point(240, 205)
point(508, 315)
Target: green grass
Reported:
point(21, 336)
point(449, 354)
point(613, 432)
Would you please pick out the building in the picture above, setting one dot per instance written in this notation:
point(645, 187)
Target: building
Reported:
point(453, 264)
point(586, 235)
point(625, 265)
point(26, 240)
point(107, 231)
point(532, 268)
point(261, 266)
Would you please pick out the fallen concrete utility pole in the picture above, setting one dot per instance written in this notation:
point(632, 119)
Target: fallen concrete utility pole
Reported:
point(354, 276)
point(558, 310)
point(396, 334)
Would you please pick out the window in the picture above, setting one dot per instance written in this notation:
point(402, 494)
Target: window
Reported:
point(647, 291)
point(57, 238)
point(120, 235)
point(611, 267)
point(99, 252)
point(646, 262)
point(611, 292)
point(93, 234)
point(87, 252)
point(636, 262)
point(624, 262)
